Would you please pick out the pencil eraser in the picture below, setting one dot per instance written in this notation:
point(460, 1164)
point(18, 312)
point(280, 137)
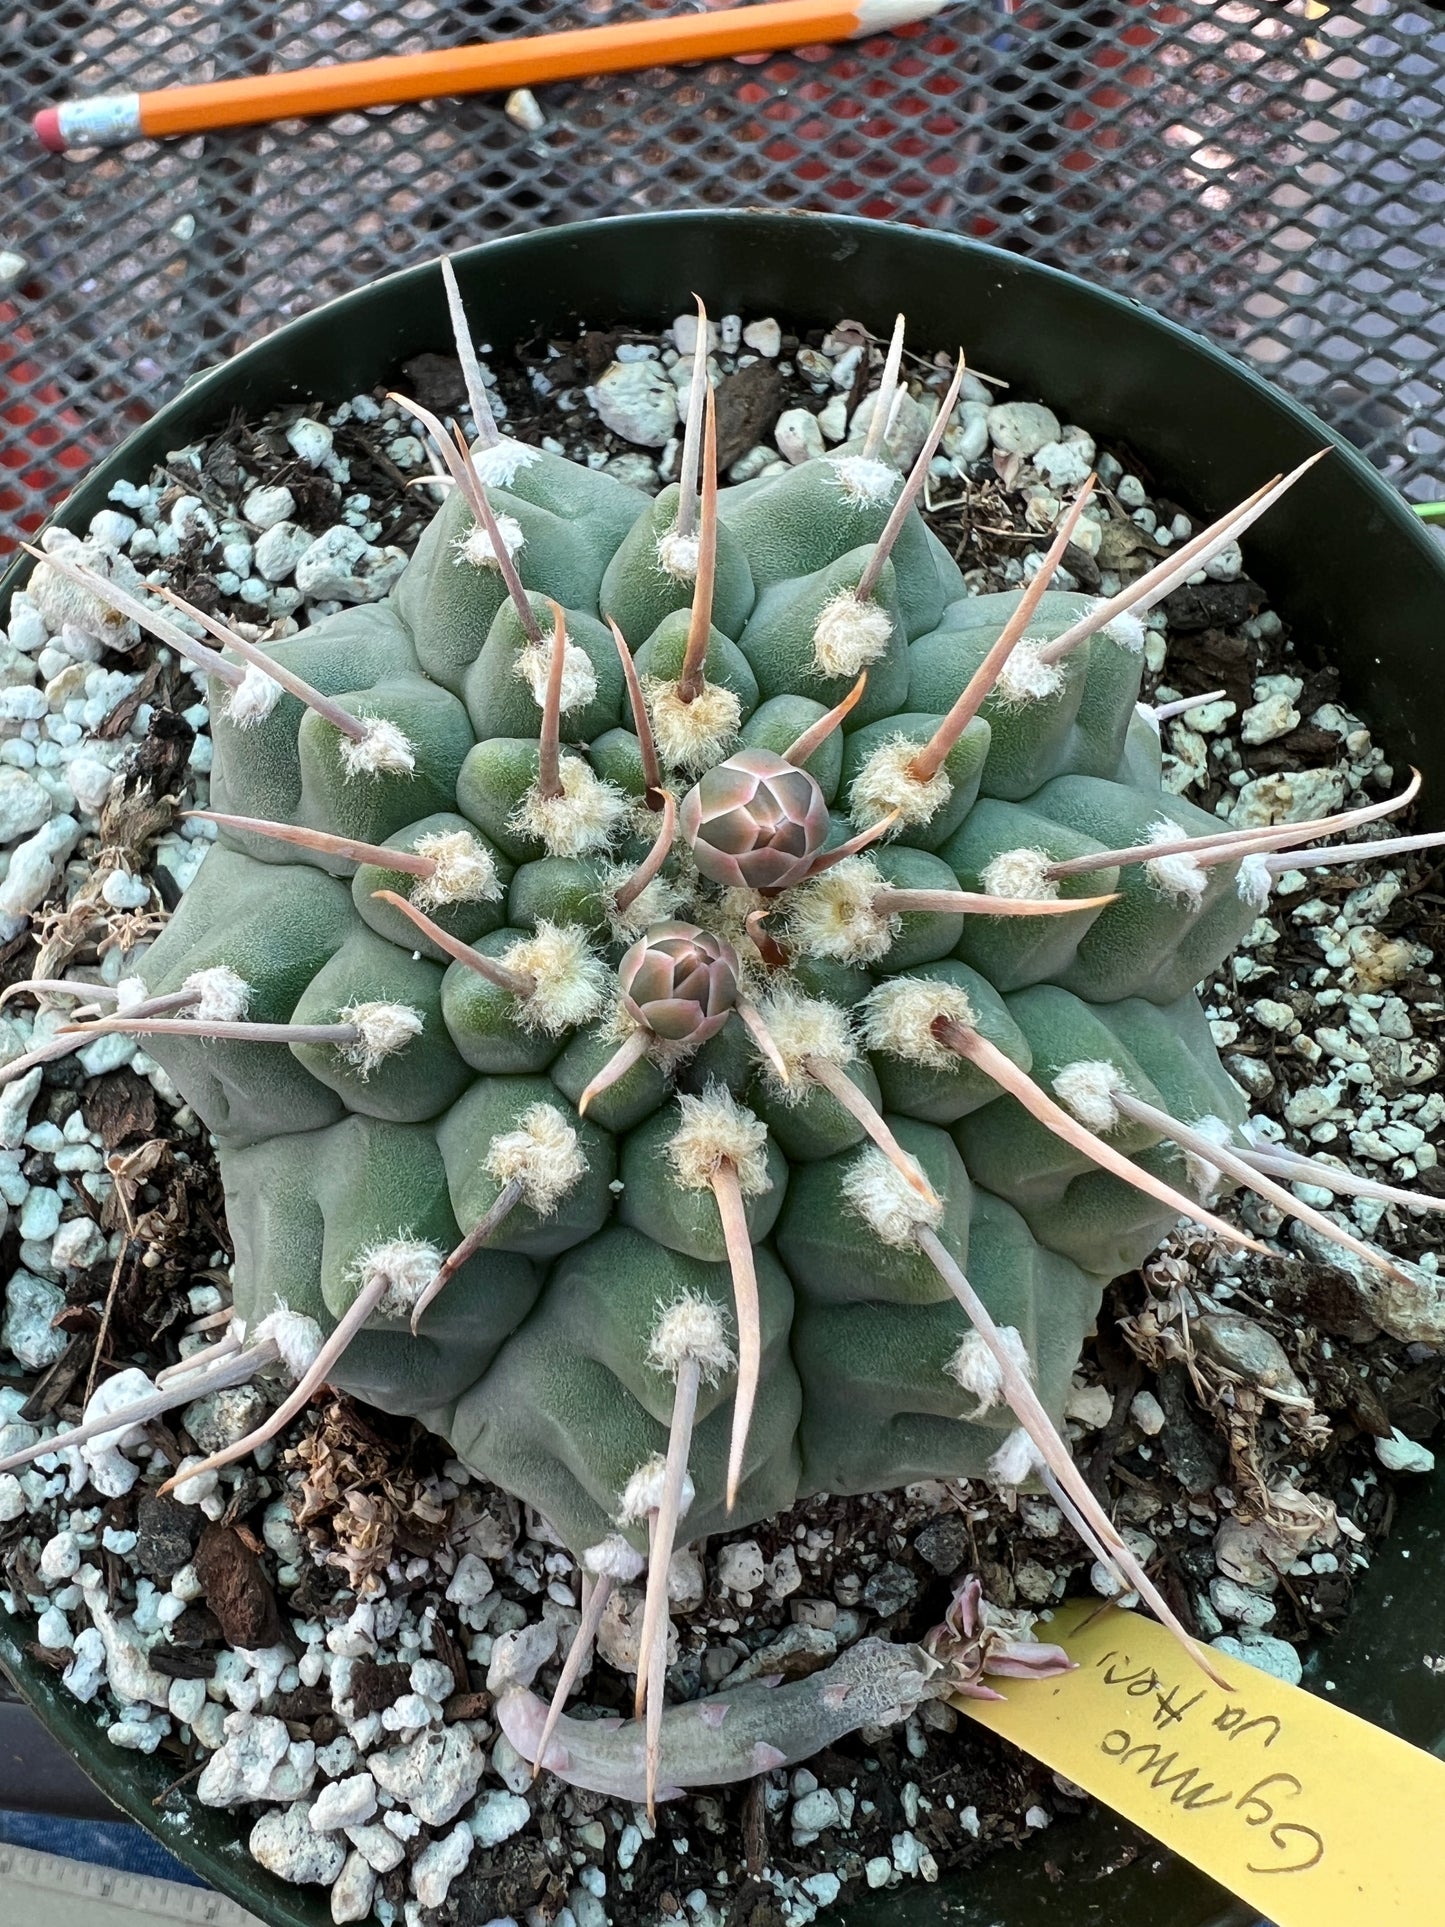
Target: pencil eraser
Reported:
point(47, 129)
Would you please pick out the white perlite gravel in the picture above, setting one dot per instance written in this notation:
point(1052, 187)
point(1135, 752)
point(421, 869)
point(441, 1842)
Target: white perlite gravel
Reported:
point(406, 1782)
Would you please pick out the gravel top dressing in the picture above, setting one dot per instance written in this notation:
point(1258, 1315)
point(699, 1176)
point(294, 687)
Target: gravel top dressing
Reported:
point(305, 1637)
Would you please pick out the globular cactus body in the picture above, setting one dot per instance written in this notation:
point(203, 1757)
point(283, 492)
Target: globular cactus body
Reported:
point(548, 1389)
point(708, 999)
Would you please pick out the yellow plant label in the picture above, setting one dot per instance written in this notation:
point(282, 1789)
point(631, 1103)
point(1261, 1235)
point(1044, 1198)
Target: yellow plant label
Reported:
point(1315, 1817)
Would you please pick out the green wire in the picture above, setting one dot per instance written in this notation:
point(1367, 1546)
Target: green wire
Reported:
point(1430, 511)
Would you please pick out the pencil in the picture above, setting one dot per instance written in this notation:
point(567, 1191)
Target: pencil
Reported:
point(110, 120)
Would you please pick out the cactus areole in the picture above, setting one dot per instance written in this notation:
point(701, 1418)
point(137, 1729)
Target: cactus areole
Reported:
point(694, 1006)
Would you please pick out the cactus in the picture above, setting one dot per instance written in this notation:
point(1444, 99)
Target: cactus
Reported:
point(695, 1007)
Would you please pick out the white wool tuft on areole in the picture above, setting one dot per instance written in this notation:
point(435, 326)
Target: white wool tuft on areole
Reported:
point(1026, 677)
point(296, 1337)
point(657, 902)
point(466, 870)
point(583, 818)
point(382, 751)
point(1254, 882)
point(643, 1492)
point(533, 665)
point(130, 992)
point(614, 1558)
point(691, 736)
point(1206, 1180)
point(501, 464)
point(403, 1265)
point(543, 1154)
point(252, 699)
point(850, 634)
point(716, 1130)
point(571, 982)
point(1127, 631)
point(863, 481)
point(1015, 1461)
point(1180, 878)
point(974, 1368)
point(222, 995)
point(1088, 1088)
point(677, 555)
point(803, 1027)
point(886, 1202)
point(834, 915)
point(691, 1329)
point(898, 1017)
point(476, 548)
point(1019, 873)
point(887, 783)
point(385, 1029)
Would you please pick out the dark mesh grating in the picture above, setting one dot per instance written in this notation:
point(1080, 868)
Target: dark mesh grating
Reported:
point(1272, 174)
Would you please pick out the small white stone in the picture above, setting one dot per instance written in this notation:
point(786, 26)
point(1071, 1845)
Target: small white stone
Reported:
point(815, 1812)
point(437, 1866)
point(187, 1697)
point(138, 1735)
point(344, 1803)
point(498, 1817)
point(471, 1582)
point(1227, 565)
point(1233, 1601)
point(245, 1766)
point(341, 566)
point(1022, 427)
point(798, 435)
point(1400, 1454)
point(1273, 1656)
point(1064, 464)
point(40, 1215)
point(1263, 722)
point(24, 805)
point(279, 549)
point(123, 891)
point(353, 1892)
point(378, 1846)
point(264, 507)
point(30, 1304)
point(764, 338)
point(91, 782)
point(59, 1558)
point(741, 1567)
point(435, 1775)
point(34, 869)
point(522, 108)
point(1091, 1406)
point(684, 333)
point(313, 441)
point(285, 1845)
point(1147, 1413)
point(637, 401)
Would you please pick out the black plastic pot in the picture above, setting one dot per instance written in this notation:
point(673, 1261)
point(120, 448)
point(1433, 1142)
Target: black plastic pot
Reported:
point(1358, 575)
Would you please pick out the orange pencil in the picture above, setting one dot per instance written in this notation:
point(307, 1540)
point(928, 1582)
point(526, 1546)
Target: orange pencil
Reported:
point(109, 120)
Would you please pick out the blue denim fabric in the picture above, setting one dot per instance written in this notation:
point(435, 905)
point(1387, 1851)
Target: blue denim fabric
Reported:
point(104, 1843)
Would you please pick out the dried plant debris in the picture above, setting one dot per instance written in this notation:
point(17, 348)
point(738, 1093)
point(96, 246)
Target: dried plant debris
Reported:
point(307, 1638)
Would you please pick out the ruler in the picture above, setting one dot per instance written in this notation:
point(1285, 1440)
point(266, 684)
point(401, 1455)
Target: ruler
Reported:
point(43, 1890)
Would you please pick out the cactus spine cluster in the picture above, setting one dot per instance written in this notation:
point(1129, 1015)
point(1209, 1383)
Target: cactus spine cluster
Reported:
point(693, 1005)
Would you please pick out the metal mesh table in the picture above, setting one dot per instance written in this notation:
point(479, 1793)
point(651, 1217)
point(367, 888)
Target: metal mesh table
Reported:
point(1273, 174)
